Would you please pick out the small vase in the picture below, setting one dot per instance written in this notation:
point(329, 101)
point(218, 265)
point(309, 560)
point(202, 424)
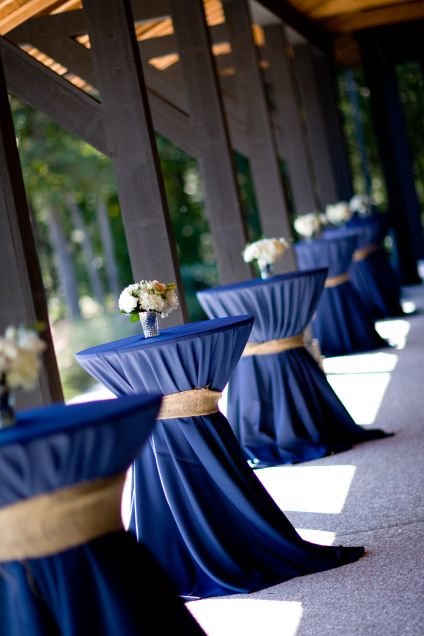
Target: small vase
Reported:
point(150, 323)
point(7, 411)
point(266, 270)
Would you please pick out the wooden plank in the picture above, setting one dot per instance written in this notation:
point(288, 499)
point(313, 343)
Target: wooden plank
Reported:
point(208, 126)
point(56, 97)
point(406, 12)
point(331, 8)
point(19, 11)
point(263, 157)
point(289, 130)
point(73, 22)
point(130, 135)
point(315, 125)
point(22, 297)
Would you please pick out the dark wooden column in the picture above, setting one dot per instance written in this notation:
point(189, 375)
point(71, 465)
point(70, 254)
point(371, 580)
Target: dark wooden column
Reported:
point(286, 117)
point(208, 126)
point(315, 124)
point(327, 88)
point(130, 137)
point(263, 153)
point(395, 158)
point(22, 297)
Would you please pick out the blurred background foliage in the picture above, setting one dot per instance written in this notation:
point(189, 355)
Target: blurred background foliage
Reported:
point(80, 237)
point(78, 227)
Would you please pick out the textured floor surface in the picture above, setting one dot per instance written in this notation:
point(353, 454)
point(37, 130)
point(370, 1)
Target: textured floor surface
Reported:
point(372, 495)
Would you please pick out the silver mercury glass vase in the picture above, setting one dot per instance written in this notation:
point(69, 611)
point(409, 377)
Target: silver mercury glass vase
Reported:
point(150, 323)
point(266, 270)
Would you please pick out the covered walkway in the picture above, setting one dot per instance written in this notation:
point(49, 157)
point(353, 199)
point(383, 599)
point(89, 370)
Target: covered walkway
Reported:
point(371, 495)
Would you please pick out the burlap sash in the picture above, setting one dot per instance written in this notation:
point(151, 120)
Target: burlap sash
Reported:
point(273, 346)
point(333, 281)
point(62, 519)
point(189, 404)
point(363, 252)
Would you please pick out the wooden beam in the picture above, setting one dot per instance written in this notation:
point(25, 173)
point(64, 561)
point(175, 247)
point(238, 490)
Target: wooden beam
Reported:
point(19, 11)
point(73, 23)
point(169, 118)
point(22, 297)
point(130, 135)
point(396, 161)
point(209, 128)
point(263, 156)
point(328, 94)
point(56, 97)
point(331, 8)
point(295, 18)
point(405, 12)
point(286, 114)
point(315, 125)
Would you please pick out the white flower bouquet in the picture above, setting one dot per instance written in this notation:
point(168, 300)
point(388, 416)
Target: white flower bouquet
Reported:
point(338, 213)
point(265, 251)
point(20, 351)
point(310, 224)
point(148, 295)
point(361, 204)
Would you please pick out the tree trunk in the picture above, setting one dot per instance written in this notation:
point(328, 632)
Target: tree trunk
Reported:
point(109, 252)
point(64, 264)
point(92, 271)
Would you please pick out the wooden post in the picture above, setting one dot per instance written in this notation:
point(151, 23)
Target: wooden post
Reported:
point(208, 127)
point(130, 137)
point(22, 297)
point(395, 158)
point(286, 117)
point(328, 93)
point(263, 157)
point(315, 125)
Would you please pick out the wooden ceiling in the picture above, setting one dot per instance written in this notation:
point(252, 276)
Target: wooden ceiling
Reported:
point(334, 16)
point(336, 20)
point(347, 16)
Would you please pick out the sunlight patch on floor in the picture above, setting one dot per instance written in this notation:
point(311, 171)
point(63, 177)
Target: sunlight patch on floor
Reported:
point(394, 331)
point(361, 363)
point(321, 489)
point(250, 617)
point(360, 382)
point(362, 394)
point(323, 537)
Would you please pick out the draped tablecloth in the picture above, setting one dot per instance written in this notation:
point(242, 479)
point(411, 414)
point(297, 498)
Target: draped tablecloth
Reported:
point(94, 588)
point(280, 405)
point(371, 272)
point(342, 323)
point(197, 505)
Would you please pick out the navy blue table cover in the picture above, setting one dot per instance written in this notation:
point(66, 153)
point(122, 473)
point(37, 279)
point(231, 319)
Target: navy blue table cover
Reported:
point(95, 588)
point(197, 504)
point(373, 276)
point(281, 407)
point(342, 323)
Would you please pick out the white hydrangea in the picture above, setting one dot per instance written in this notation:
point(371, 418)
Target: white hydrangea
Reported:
point(360, 203)
point(338, 212)
point(148, 295)
point(20, 351)
point(128, 299)
point(309, 224)
point(265, 251)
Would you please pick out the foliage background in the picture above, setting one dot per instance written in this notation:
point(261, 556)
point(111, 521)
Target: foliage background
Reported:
point(71, 187)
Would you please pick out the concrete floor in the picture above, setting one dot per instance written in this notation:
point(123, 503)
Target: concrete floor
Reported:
point(372, 495)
